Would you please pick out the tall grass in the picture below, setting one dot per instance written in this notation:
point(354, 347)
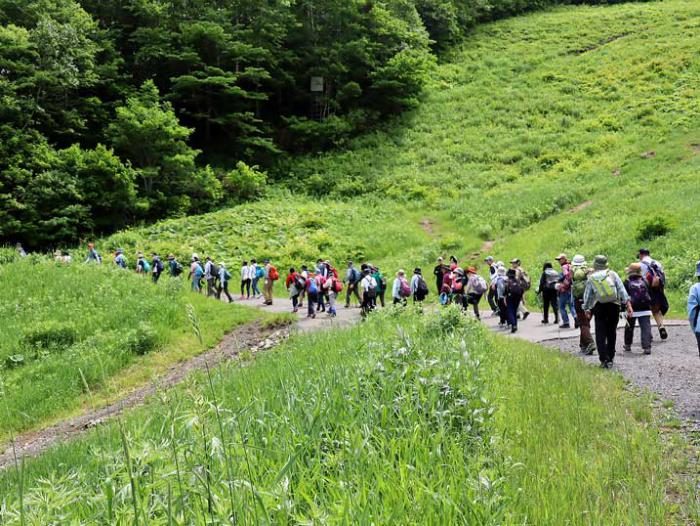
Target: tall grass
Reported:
point(408, 419)
point(67, 330)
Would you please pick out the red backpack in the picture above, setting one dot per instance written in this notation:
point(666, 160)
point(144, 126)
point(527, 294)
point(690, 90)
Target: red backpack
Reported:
point(273, 274)
point(337, 285)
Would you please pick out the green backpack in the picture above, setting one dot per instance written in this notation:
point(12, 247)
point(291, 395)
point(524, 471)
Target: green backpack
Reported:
point(604, 285)
point(579, 277)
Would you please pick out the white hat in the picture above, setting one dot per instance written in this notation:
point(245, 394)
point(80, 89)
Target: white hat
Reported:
point(579, 260)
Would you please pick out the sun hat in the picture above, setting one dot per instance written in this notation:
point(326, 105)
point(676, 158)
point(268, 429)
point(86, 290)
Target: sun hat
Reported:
point(579, 260)
point(195, 256)
point(401, 272)
point(600, 262)
point(417, 270)
point(171, 256)
point(440, 259)
point(560, 257)
point(488, 259)
point(515, 260)
point(459, 271)
point(471, 270)
point(500, 264)
point(635, 269)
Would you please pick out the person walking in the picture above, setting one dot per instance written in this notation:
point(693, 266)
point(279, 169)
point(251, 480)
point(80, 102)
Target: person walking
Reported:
point(566, 299)
point(419, 288)
point(476, 287)
point(332, 287)
point(525, 284)
point(258, 273)
point(196, 274)
point(368, 291)
point(142, 266)
point(439, 273)
point(312, 289)
point(400, 288)
point(514, 292)
point(352, 281)
point(92, 255)
point(579, 279)
point(604, 295)
point(294, 284)
point(246, 280)
point(501, 282)
point(694, 306)
point(548, 289)
point(174, 266)
point(381, 284)
point(157, 267)
point(270, 275)
point(491, 296)
point(120, 259)
point(210, 275)
point(655, 276)
point(224, 278)
point(640, 299)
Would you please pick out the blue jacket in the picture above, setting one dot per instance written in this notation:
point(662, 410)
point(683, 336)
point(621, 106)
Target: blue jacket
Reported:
point(694, 307)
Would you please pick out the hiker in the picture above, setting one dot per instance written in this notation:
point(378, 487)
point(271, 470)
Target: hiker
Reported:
point(224, 278)
point(246, 280)
point(92, 255)
point(211, 275)
point(368, 290)
point(304, 273)
point(119, 259)
point(446, 289)
point(332, 287)
point(400, 290)
point(142, 266)
point(491, 296)
point(525, 283)
point(603, 297)
point(295, 284)
point(352, 280)
point(271, 275)
point(157, 267)
point(476, 287)
point(579, 280)
point(640, 299)
point(457, 288)
point(653, 272)
point(453, 263)
point(439, 273)
point(258, 273)
point(381, 284)
point(313, 288)
point(564, 290)
point(514, 292)
point(694, 306)
point(501, 282)
point(20, 250)
point(419, 288)
point(196, 274)
point(548, 289)
point(322, 292)
point(174, 266)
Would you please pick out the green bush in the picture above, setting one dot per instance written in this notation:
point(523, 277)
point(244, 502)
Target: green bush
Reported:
point(652, 228)
point(142, 340)
point(50, 335)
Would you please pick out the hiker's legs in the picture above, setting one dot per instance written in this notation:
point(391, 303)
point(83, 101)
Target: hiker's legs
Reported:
point(606, 320)
point(295, 301)
point(311, 302)
point(195, 285)
point(645, 329)
point(697, 337)
point(438, 285)
point(256, 290)
point(247, 288)
point(474, 299)
point(242, 286)
point(331, 302)
point(658, 318)
point(491, 297)
point(503, 311)
point(381, 297)
point(549, 299)
point(563, 302)
point(629, 331)
point(613, 320)
point(267, 290)
point(600, 333)
point(348, 292)
point(522, 309)
point(584, 325)
point(513, 307)
point(226, 293)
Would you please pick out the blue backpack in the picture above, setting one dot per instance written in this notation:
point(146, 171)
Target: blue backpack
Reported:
point(198, 271)
point(259, 272)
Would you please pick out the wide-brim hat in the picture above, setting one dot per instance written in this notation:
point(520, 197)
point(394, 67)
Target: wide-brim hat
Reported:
point(514, 260)
point(579, 260)
point(560, 257)
point(635, 269)
point(459, 271)
point(600, 262)
point(417, 270)
point(471, 270)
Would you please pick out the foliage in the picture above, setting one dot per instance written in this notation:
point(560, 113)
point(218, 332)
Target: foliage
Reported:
point(68, 326)
point(391, 422)
point(244, 183)
point(652, 228)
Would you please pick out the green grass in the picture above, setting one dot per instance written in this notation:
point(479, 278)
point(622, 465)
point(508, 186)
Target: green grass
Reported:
point(407, 419)
point(69, 328)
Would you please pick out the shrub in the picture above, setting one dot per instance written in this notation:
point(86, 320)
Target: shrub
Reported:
point(142, 340)
point(652, 228)
point(244, 183)
point(50, 335)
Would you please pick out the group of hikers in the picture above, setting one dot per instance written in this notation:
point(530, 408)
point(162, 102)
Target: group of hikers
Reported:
point(576, 293)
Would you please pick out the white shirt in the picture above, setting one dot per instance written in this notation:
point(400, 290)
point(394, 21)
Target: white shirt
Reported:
point(245, 273)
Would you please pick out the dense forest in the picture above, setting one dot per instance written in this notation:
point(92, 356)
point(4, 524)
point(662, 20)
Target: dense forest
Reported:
point(123, 111)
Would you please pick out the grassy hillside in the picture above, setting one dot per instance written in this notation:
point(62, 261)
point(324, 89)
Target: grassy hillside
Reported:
point(567, 130)
point(72, 328)
point(399, 421)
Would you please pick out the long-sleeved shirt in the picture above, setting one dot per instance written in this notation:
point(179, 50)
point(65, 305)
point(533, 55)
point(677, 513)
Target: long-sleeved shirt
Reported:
point(120, 260)
point(500, 287)
point(694, 307)
point(245, 273)
point(590, 296)
point(414, 283)
point(222, 275)
point(252, 270)
point(207, 270)
point(93, 256)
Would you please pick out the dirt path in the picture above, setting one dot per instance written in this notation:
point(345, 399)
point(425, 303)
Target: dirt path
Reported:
point(33, 443)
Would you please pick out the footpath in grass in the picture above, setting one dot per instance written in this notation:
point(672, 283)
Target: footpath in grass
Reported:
point(72, 329)
point(405, 419)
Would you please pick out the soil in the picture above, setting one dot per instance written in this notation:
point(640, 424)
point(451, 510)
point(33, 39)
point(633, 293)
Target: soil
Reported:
point(250, 336)
point(580, 207)
point(427, 226)
point(600, 44)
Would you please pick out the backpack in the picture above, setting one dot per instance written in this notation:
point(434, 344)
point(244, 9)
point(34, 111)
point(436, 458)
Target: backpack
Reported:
point(381, 282)
point(404, 288)
point(146, 266)
point(176, 269)
point(479, 285)
point(639, 294)
point(313, 288)
point(604, 285)
point(551, 277)
point(421, 288)
point(198, 271)
point(300, 283)
point(457, 285)
point(159, 266)
point(273, 274)
point(579, 278)
point(227, 275)
point(214, 270)
point(372, 288)
point(514, 288)
point(658, 278)
point(525, 282)
point(259, 272)
point(354, 276)
point(337, 285)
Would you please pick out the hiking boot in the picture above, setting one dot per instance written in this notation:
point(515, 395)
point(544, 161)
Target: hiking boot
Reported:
point(663, 333)
point(590, 350)
point(564, 326)
point(576, 324)
point(545, 322)
point(513, 329)
point(627, 348)
point(647, 351)
point(525, 315)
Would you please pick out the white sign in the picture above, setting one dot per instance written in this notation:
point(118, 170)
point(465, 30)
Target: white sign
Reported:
point(317, 84)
